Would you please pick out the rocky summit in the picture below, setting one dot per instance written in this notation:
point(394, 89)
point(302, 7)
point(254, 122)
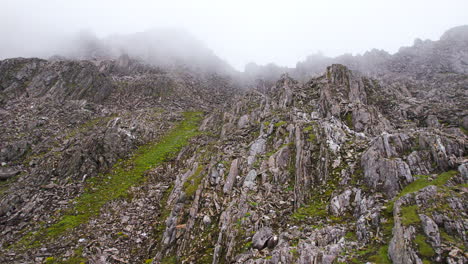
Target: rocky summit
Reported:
point(353, 159)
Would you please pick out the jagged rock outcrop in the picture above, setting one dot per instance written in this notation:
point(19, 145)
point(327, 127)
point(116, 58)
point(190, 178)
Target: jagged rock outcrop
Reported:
point(60, 80)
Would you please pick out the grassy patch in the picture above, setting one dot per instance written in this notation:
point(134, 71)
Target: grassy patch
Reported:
point(423, 181)
point(280, 123)
point(351, 235)
point(423, 247)
point(115, 184)
point(312, 137)
point(169, 260)
point(308, 128)
point(449, 239)
point(382, 256)
point(409, 215)
point(253, 204)
point(348, 118)
point(315, 209)
point(75, 259)
point(50, 260)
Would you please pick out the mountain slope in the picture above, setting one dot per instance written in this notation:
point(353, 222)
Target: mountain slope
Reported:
point(145, 164)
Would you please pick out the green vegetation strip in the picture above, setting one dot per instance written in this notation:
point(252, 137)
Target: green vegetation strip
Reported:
point(409, 215)
point(115, 184)
point(421, 182)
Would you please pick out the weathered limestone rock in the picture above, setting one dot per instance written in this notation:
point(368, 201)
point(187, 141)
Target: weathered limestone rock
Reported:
point(261, 237)
point(431, 230)
point(250, 180)
point(7, 173)
point(233, 173)
point(243, 121)
point(258, 147)
point(339, 204)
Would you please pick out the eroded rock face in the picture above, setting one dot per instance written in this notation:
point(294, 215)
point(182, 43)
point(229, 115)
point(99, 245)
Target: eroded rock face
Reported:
point(421, 152)
point(60, 80)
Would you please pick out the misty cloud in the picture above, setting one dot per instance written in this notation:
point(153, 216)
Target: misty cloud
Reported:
point(239, 32)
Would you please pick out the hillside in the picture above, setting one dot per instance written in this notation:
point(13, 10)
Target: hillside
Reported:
point(115, 159)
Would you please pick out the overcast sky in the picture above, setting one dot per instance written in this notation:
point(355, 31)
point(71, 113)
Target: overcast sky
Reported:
point(239, 31)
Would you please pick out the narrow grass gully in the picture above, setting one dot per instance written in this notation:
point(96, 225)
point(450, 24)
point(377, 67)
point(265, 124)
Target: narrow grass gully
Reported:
point(115, 184)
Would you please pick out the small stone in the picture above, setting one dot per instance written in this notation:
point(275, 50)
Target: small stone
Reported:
point(260, 239)
point(454, 253)
point(249, 181)
point(206, 220)
point(272, 242)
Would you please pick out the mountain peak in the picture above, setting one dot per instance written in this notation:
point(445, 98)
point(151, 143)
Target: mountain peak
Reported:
point(459, 33)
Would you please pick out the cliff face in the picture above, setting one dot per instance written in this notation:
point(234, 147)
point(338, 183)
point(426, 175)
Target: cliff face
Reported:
point(115, 161)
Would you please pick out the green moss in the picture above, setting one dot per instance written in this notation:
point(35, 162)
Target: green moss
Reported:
point(295, 253)
point(192, 183)
point(357, 176)
point(253, 204)
point(446, 237)
point(148, 261)
point(49, 260)
point(312, 138)
point(71, 260)
point(382, 256)
point(248, 244)
point(266, 123)
point(387, 227)
point(308, 128)
point(316, 209)
point(280, 123)
point(105, 188)
point(423, 181)
point(169, 260)
point(451, 239)
point(348, 118)
point(365, 251)
point(409, 215)
point(351, 236)
point(424, 248)
point(311, 135)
